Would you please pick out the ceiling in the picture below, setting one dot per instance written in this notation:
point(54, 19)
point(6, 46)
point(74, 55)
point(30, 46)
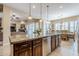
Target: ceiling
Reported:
point(55, 10)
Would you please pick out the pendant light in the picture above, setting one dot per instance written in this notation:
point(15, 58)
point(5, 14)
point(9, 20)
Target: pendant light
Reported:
point(30, 17)
point(47, 14)
point(40, 12)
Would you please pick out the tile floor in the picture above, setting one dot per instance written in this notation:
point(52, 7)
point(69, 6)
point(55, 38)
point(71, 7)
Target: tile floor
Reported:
point(67, 48)
point(1, 43)
point(1, 51)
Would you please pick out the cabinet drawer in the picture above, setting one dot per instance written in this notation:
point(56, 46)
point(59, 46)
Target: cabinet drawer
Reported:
point(37, 50)
point(53, 43)
point(24, 52)
point(37, 41)
point(22, 45)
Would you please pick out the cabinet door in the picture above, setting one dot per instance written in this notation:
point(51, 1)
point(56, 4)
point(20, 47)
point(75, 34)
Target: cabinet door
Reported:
point(23, 49)
point(53, 43)
point(37, 50)
point(57, 40)
point(1, 36)
point(25, 52)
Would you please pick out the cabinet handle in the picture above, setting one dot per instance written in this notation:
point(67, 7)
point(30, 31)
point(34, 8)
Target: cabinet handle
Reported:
point(36, 45)
point(24, 45)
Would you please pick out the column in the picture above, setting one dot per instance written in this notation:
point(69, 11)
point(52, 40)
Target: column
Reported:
point(6, 30)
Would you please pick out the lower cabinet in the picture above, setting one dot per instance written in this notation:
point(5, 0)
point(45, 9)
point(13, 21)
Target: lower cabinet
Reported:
point(23, 49)
point(37, 50)
point(53, 42)
point(28, 48)
point(37, 47)
point(24, 52)
point(57, 41)
point(1, 36)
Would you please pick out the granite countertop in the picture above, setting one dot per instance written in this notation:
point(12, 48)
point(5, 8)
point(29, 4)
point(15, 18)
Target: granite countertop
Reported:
point(21, 38)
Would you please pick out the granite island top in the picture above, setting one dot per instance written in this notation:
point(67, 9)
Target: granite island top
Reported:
point(21, 38)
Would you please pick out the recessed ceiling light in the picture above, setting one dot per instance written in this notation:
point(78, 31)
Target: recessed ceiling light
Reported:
point(60, 6)
point(34, 6)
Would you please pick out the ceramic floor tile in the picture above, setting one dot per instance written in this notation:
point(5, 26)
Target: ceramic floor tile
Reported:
point(1, 51)
point(67, 48)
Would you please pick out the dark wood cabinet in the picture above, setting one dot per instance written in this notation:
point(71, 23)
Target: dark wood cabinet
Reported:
point(37, 50)
point(0, 22)
point(1, 36)
point(53, 42)
point(23, 49)
point(1, 33)
point(37, 47)
point(25, 52)
point(1, 7)
point(28, 48)
point(57, 41)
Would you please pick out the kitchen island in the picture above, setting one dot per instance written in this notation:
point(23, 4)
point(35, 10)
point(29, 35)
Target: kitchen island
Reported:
point(34, 45)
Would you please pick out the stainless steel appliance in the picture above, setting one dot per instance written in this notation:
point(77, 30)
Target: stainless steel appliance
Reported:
point(46, 46)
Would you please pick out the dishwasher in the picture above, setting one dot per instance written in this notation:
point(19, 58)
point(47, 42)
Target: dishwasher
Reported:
point(46, 46)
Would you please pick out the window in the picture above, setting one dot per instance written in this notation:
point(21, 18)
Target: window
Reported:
point(57, 26)
point(75, 25)
point(30, 28)
point(46, 27)
point(72, 26)
point(64, 26)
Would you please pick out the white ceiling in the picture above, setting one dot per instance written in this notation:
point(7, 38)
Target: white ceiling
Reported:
point(69, 9)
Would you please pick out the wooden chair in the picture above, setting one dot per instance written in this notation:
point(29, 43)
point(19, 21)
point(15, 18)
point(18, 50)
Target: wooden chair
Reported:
point(64, 37)
point(71, 36)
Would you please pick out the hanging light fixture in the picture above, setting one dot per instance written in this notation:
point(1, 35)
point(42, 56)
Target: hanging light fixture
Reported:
point(47, 12)
point(40, 12)
point(47, 15)
point(30, 17)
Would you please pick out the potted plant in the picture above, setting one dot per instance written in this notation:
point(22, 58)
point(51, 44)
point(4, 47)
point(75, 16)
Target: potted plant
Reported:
point(38, 31)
